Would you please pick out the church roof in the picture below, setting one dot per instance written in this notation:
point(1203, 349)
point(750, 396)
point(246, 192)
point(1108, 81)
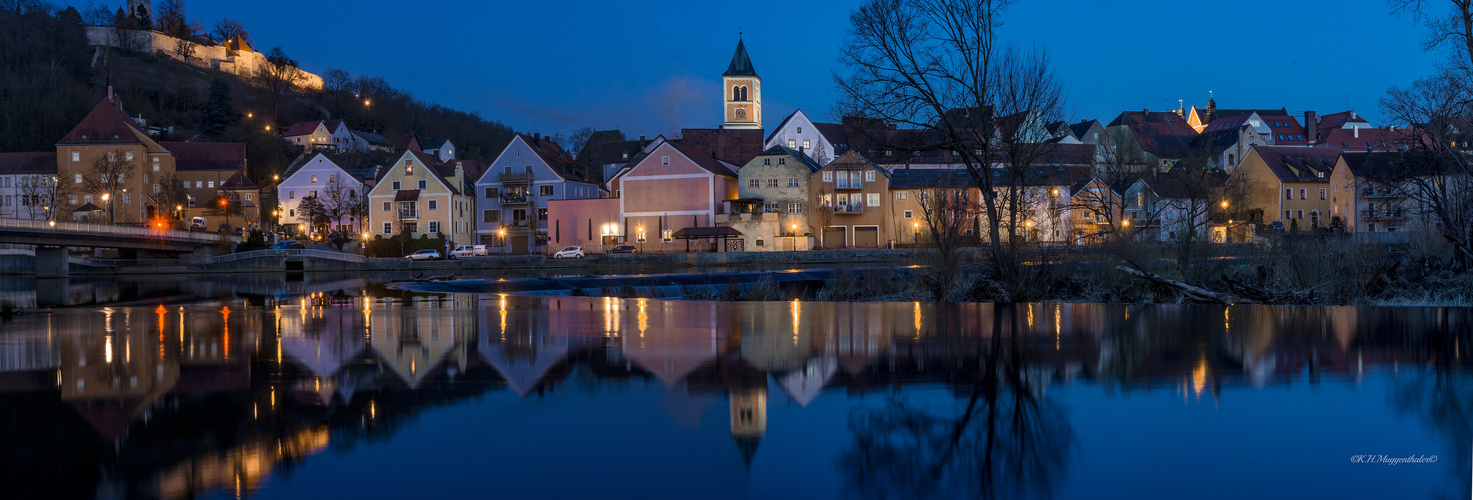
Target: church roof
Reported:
point(741, 65)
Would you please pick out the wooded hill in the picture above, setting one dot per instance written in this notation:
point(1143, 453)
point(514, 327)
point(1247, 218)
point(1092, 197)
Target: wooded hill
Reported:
point(50, 78)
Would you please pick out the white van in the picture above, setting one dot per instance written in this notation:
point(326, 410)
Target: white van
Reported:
point(197, 223)
point(469, 251)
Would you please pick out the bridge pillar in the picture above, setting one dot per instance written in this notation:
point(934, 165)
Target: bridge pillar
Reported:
point(52, 262)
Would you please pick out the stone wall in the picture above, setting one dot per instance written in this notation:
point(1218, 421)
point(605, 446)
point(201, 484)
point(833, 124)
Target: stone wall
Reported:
point(242, 63)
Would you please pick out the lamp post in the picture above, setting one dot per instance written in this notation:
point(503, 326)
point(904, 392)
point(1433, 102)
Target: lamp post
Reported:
point(501, 237)
point(107, 198)
point(793, 240)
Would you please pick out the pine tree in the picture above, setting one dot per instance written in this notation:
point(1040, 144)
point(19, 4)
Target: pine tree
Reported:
point(218, 113)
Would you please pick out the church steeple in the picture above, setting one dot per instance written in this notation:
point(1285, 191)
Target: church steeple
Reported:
point(742, 90)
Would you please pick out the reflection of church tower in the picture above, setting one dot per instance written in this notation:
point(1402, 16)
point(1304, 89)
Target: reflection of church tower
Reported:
point(748, 418)
point(743, 90)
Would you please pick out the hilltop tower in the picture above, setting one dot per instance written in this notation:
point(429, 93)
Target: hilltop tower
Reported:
point(743, 92)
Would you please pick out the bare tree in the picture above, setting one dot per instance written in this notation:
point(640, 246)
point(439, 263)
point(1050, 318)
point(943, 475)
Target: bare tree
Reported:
point(227, 29)
point(184, 49)
point(172, 196)
point(337, 80)
point(944, 215)
point(573, 142)
point(40, 194)
point(280, 76)
point(170, 19)
point(225, 205)
point(933, 66)
point(108, 178)
point(1450, 26)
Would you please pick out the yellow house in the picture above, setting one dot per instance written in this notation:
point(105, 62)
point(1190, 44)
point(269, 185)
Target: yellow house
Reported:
point(1288, 185)
point(422, 196)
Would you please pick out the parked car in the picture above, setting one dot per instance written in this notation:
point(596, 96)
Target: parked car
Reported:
point(426, 254)
point(469, 251)
point(573, 252)
point(288, 245)
point(197, 224)
point(624, 249)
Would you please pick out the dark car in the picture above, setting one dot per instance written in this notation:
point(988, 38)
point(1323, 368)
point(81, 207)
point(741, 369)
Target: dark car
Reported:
point(288, 245)
point(624, 249)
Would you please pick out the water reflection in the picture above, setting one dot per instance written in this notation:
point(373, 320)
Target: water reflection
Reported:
point(179, 402)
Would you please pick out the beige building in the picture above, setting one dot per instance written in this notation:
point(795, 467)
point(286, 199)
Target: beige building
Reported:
point(1288, 185)
point(108, 135)
point(851, 206)
point(422, 196)
point(772, 206)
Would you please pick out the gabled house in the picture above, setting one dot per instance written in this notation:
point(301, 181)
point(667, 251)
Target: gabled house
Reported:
point(25, 185)
point(332, 135)
point(419, 195)
point(512, 195)
point(1087, 131)
point(1288, 185)
point(797, 132)
point(652, 214)
point(370, 141)
point(108, 134)
point(851, 204)
point(441, 149)
point(1096, 211)
point(772, 201)
point(318, 175)
point(615, 156)
point(1377, 193)
point(1153, 140)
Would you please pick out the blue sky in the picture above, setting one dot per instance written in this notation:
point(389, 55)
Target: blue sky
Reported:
point(650, 67)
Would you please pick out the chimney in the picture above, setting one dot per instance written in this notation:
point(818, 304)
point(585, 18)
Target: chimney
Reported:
point(1356, 131)
point(1352, 112)
point(1310, 126)
point(537, 135)
point(641, 138)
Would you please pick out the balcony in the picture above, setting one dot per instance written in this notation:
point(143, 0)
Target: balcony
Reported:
point(1379, 193)
point(522, 178)
point(408, 214)
point(848, 184)
point(848, 208)
point(513, 198)
point(751, 217)
point(1380, 215)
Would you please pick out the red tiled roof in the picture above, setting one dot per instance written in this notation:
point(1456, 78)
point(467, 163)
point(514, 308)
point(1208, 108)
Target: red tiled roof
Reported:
point(1338, 120)
point(1164, 134)
point(238, 182)
point(28, 163)
point(106, 124)
point(303, 128)
point(735, 146)
point(1378, 139)
point(704, 160)
point(1284, 160)
point(207, 155)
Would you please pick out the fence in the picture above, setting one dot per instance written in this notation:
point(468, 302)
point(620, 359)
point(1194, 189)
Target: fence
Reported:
point(116, 230)
point(313, 254)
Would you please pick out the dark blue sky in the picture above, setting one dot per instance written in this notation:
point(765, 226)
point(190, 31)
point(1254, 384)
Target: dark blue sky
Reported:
point(650, 67)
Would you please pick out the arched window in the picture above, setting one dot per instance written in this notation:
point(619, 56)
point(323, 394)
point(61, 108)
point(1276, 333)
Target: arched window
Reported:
point(736, 93)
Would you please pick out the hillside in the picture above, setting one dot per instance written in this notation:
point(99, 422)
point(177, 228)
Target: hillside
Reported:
point(50, 78)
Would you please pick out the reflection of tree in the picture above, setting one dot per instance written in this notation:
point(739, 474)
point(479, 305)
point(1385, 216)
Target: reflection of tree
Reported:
point(1000, 440)
point(1443, 398)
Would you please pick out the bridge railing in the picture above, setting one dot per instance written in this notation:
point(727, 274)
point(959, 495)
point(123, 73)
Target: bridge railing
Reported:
point(109, 229)
point(314, 254)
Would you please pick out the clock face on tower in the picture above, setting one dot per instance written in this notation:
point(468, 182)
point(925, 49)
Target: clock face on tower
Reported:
point(741, 113)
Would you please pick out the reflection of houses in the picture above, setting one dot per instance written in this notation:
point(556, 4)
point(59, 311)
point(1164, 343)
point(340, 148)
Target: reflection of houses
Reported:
point(415, 342)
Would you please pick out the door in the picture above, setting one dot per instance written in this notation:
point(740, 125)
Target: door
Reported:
point(866, 237)
point(519, 243)
point(835, 237)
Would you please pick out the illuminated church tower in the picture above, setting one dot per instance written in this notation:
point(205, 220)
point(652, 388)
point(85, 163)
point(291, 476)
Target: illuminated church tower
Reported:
point(743, 90)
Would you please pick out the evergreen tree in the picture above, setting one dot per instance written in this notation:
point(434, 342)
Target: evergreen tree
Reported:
point(218, 113)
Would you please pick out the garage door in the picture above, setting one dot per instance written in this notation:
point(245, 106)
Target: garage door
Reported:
point(834, 237)
point(519, 244)
point(866, 237)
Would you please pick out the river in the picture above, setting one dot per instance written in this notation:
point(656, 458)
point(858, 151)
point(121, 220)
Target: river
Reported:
point(337, 387)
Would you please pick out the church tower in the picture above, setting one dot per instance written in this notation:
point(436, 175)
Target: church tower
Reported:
point(743, 92)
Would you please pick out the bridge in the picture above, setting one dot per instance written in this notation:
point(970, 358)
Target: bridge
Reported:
point(52, 238)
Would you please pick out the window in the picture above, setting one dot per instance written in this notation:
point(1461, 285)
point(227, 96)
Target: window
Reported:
point(805, 144)
point(1288, 214)
point(792, 183)
point(792, 144)
point(1322, 193)
point(434, 205)
point(247, 197)
point(782, 161)
point(127, 198)
point(212, 184)
point(434, 226)
point(314, 179)
point(1303, 194)
point(199, 184)
point(825, 200)
point(795, 208)
point(332, 178)
point(869, 176)
point(421, 183)
point(667, 235)
point(545, 191)
point(767, 162)
point(772, 183)
point(291, 213)
point(156, 189)
point(902, 195)
point(664, 160)
point(76, 156)
point(769, 208)
point(827, 176)
point(128, 155)
point(78, 178)
point(396, 185)
point(872, 199)
point(291, 195)
point(1299, 214)
point(752, 183)
point(386, 206)
point(1140, 200)
point(491, 216)
point(1288, 194)
point(112, 156)
point(908, 214)
point(388, 228)
point(71, 200)
point(542, 214)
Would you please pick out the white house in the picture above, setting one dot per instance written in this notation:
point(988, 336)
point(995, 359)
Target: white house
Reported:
point(315, 174)
point(511, 197)
point(333, 135)
point(797, 132)
point(441, 149)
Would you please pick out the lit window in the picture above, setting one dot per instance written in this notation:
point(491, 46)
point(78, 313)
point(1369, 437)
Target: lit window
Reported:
point(664, 160)
point(792, 144)
point(76, 156)
point(128, 155)
point(806, 144)
point(212, 184)
point(314, 179)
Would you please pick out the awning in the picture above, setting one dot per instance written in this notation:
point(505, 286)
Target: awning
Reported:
point(746, 200)
point(410, 195)
point(88, 207)
point(694, 233)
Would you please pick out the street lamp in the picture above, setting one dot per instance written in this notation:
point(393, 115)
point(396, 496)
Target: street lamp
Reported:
point(108, 199)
